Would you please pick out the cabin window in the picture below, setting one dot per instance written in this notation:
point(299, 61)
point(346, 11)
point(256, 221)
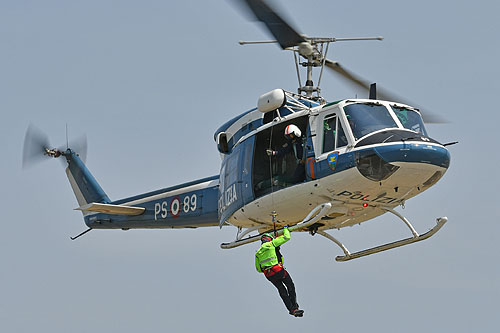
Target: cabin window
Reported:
point(221, 178)
point(231, 170)
point(247, 159)
point(367, 118)
point(410, 119)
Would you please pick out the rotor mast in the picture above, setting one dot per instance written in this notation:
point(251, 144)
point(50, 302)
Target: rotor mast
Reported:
point(314, 51)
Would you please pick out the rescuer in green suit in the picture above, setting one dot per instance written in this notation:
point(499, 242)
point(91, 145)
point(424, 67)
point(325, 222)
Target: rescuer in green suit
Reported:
point(268, 260)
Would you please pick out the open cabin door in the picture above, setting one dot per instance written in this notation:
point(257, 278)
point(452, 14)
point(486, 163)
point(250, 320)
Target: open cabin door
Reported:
point(271, 173)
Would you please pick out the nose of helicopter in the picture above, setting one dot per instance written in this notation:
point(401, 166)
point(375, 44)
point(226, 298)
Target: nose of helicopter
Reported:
point(379, 163)
point(415, 153)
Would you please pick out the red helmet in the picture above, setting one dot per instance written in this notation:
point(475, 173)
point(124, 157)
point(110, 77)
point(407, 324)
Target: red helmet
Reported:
point(267, 237)
point(292, 131)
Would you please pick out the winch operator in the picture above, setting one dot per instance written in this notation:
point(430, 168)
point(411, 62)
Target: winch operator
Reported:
point(295, 147)
point(268, 260)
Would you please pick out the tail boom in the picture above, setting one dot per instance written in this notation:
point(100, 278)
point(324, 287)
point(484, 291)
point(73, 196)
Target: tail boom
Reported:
point(189, 205)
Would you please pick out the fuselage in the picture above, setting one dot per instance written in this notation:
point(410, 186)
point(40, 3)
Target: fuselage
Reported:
point(360, 155)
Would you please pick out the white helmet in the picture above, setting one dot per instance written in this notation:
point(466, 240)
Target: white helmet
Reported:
point(292, 129)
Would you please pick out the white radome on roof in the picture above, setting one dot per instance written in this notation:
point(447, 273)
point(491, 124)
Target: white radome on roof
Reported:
point(272, 100)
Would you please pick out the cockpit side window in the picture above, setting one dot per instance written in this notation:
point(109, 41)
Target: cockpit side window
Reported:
point(410, 119)
point(365, 118)
point(329, 132)
point(333, 134)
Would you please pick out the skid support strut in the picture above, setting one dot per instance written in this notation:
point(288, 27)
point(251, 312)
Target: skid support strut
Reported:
point(416, 238)
point(315, 215)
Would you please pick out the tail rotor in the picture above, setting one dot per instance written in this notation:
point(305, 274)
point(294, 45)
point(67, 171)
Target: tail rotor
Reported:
point(37, 147)
point(85, 187)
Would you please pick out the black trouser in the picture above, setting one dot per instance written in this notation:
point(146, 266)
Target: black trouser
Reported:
point(283, 282)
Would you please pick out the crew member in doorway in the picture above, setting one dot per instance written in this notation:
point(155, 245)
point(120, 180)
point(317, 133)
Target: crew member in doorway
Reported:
point(295, 146)
point(268, 260)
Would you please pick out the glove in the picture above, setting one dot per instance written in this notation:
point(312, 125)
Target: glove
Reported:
point(270, 152)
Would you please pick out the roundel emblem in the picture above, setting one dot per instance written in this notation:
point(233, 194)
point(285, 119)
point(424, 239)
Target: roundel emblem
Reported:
point(175, 207)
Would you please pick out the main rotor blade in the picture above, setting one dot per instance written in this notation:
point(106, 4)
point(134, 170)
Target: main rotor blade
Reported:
point(35, 143)
point(358, 82)
point(281, 30)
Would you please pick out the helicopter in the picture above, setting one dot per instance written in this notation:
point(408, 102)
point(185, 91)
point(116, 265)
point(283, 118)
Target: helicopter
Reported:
point(361, 158)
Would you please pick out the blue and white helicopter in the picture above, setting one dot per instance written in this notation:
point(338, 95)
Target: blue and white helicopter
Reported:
point(361, 158)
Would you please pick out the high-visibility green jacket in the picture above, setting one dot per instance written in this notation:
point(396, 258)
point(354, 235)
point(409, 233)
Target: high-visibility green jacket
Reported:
point(266, 255)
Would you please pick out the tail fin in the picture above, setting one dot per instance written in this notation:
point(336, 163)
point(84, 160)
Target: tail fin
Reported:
point(84, 185)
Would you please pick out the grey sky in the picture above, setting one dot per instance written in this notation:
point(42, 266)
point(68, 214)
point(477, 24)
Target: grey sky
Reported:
point(149, 82)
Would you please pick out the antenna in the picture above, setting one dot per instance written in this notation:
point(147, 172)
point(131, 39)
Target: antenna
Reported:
point(67, 141)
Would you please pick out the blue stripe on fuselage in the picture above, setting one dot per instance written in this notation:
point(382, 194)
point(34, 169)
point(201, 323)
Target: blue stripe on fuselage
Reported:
point(417, 152)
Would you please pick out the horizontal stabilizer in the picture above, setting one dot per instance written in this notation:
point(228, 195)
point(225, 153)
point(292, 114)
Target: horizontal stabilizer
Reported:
point(111, 209)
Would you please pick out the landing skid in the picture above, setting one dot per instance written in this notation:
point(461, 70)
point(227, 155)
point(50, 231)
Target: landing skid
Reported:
point(315, 215)
point(416, 238)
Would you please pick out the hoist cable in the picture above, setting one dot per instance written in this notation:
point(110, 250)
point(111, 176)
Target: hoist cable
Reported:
point(271, 172)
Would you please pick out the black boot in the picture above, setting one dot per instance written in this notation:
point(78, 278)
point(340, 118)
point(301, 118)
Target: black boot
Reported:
point(297, 312)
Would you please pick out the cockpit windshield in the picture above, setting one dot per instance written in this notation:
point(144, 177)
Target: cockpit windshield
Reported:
point(367, 118)
point(410, 119)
